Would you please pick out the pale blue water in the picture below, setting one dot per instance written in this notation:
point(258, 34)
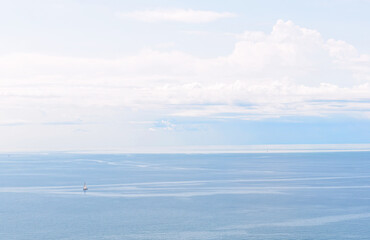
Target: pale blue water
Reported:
point(179, 196)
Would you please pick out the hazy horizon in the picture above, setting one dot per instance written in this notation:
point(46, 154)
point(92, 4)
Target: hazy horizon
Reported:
point(211, 149)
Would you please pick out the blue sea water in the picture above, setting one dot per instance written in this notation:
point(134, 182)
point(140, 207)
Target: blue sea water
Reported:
point(185, 196)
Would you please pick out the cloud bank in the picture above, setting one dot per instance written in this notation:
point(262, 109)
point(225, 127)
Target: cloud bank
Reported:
point(291, 71)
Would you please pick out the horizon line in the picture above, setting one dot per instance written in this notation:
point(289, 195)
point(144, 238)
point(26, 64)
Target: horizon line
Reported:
point(209, 149)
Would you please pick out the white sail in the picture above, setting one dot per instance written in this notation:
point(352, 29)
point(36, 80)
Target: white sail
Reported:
point(85, 187)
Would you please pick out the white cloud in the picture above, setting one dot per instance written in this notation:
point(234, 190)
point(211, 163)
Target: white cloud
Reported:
point(163, 125)
point(292, 71)
point(176, 15)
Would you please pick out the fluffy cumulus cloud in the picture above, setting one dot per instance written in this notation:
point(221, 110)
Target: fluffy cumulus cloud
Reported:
point(176, 15)
point(291, 71)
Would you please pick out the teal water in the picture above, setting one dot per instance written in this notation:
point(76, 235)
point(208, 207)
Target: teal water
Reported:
point(185, 196)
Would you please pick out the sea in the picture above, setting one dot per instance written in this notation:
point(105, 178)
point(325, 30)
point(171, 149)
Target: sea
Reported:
point(233, 196)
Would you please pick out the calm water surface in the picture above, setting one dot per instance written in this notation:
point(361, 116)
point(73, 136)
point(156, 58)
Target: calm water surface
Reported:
point(185, 196)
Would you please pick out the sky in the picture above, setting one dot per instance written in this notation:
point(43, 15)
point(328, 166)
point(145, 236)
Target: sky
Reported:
point(115, 75)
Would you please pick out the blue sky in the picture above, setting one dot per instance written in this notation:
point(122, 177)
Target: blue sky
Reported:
point(100, 75)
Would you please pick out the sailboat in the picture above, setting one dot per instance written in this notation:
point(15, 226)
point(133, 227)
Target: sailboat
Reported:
point(85, 187)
